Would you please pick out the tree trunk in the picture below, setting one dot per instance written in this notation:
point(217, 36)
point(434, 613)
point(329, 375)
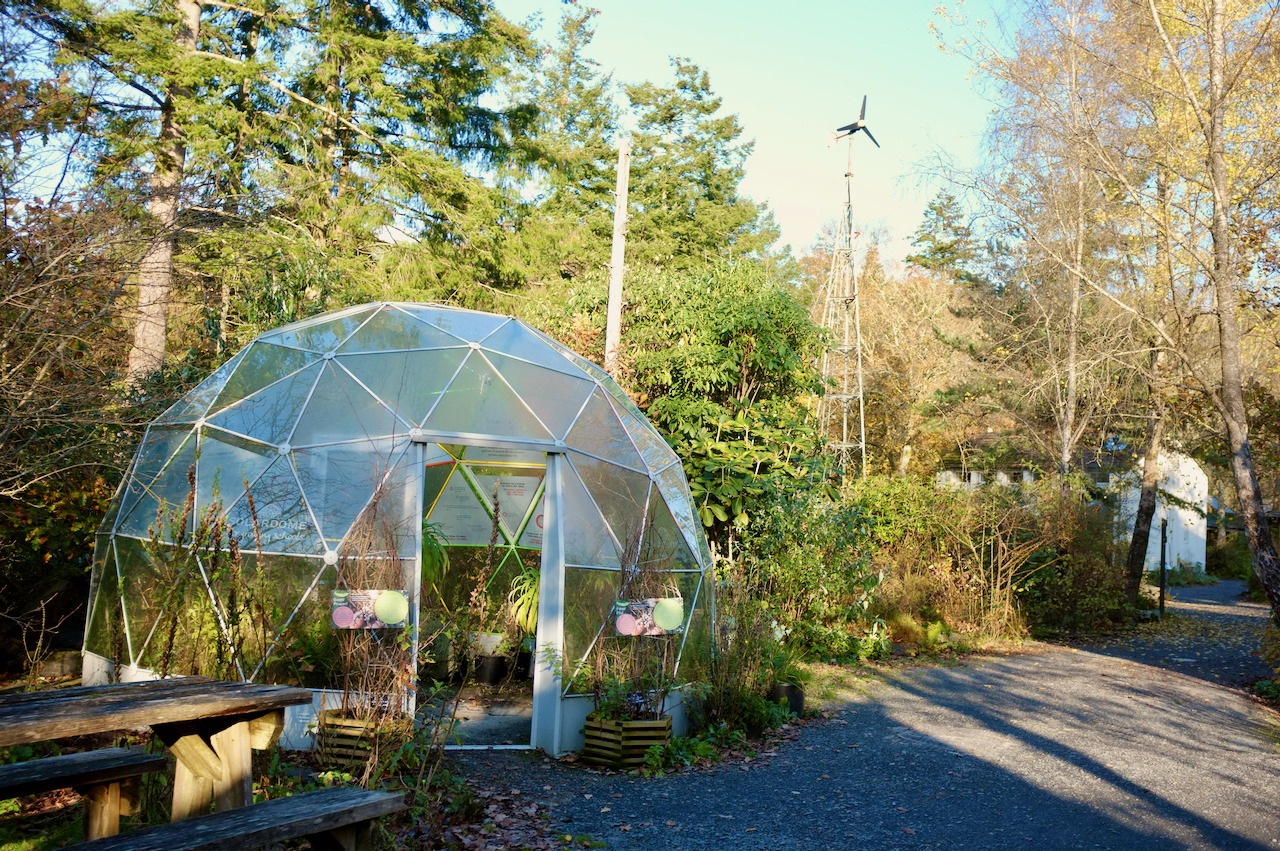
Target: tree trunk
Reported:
point(1146, 501)
point(155, 271)
point(1249, 495)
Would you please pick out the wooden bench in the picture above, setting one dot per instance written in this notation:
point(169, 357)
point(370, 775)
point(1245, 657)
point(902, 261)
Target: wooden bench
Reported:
point(329, 818)
point(107, 779)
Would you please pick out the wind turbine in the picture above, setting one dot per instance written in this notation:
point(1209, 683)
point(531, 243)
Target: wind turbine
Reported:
point(842, 316)
point(860, 124)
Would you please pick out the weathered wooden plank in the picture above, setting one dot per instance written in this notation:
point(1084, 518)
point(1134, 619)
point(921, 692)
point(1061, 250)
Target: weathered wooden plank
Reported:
point(234, 788)
point(77, 769)
point(41, 716)
point(265, 730)
point(191, 793)
point(251, 827)
point(101, 811)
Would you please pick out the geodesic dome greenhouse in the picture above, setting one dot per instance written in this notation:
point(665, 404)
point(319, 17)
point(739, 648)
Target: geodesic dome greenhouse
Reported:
point(485, 432)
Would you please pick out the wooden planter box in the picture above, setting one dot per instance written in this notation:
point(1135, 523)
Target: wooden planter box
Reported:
point(622, 744)
point(346, 742)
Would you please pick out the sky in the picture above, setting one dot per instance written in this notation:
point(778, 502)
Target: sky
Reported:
point(793, 73)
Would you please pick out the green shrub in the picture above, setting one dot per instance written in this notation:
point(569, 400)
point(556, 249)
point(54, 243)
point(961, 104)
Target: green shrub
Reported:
point(1230, 561)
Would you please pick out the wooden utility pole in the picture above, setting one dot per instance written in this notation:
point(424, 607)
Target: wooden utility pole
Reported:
point(613, 318)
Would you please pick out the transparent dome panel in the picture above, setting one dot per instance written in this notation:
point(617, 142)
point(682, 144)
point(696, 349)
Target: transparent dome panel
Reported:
point(589, 596)
point(586, 537)
point(664, 545)
point(161, 505)
point(275, 513)
point(339, 481)
point(104, 634)
point(323, 336)
point(270, 414)
point(554, 397)
point(341, 409)
point(149, 587)
point(675, 491)
point(516, 340)
point(260, 365)
point(391, 329)
point(409, 383)
point(479, 402)
point(465, 325)
point(655, 451)
point(158, 447)
point(621, 495)
point(197, 402)
point(227, 465)
point(599, 432)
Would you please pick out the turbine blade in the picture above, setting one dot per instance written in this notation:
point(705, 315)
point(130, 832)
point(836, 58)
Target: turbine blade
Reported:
point(869, 136)
point(852, 126)
point(864, 108)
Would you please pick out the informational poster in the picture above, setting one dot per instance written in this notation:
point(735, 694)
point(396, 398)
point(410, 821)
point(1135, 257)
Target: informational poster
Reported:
point(653, 616)
point(531, 537)
point(460, 516)
point(369, 609)
point(515, 493)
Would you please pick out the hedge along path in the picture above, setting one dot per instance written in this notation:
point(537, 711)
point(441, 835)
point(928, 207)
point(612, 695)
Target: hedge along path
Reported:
point(1046, 748)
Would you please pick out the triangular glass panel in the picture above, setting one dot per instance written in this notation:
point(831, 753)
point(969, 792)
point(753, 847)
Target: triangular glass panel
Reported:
point(656, 452)
point(459, 514)
point(147, 587)
point(164, 498)
point(198, 400)
point(467, 326)
point(516, 488)
point(434, 477)
point(621, 495)
point(479, 402)
point(276, 512)
point(599, 432)
point(286, 584)
point(323, 335)
point(409, 383)
point(338, 481)
point(340, 409)
point(531, 534)
point(620, 397)
point(226, 464)
point(675, 491)
point(554, 396)
point(593, 593)
point(263, 364)
point(586, 538)
point(515, 340)
point(391, 519)
point(113, 509)
point(158, 446)
point(664, 546)
point(270, 414)
point(391, 329)
point(105, 624)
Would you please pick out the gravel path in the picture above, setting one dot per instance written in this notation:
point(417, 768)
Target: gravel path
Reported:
point(1128, 746)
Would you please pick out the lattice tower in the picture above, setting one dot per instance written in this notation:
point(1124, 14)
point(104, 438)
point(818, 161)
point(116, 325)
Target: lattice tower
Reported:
point(840, 415)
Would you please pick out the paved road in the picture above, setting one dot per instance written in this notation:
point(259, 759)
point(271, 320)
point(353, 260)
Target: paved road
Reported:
point(1053, 748)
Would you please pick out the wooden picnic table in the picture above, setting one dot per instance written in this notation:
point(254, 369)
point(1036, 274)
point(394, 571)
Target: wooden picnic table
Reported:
point(211, 727)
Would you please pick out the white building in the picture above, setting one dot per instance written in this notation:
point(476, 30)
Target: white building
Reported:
point(1182, 499)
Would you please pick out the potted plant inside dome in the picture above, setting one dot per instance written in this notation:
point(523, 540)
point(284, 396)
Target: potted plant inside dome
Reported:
point(632, 665)
point(370, 614)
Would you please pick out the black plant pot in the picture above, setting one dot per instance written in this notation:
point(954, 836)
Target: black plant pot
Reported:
point(491, 670)
point(524, 665)
point(794, 695)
